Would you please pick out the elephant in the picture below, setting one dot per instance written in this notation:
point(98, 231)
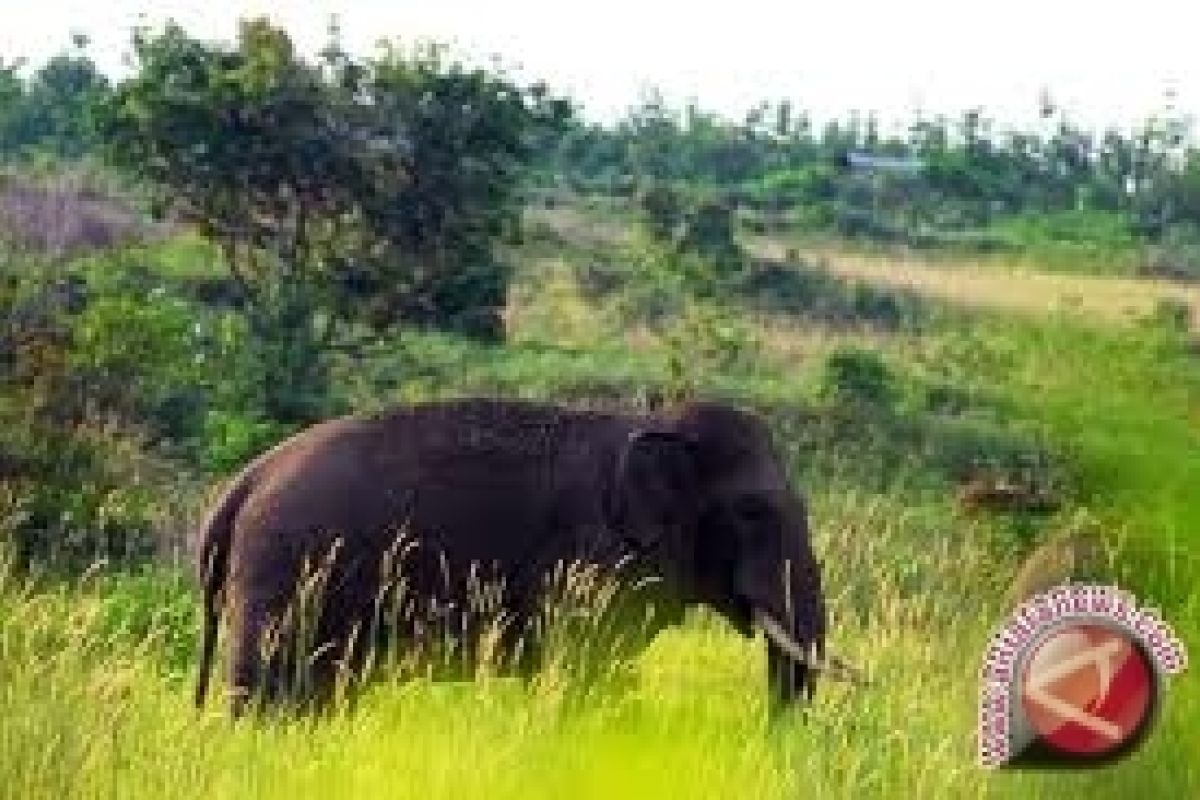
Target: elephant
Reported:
point(685, 507)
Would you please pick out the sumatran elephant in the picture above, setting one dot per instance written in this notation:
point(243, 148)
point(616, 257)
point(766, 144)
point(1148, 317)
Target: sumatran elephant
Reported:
point(682, 508)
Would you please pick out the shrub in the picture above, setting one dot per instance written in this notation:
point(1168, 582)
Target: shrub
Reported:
point(83, 493)
point(805, 290)
point(705, 339)
point(662, 209)
point(869, 302)
point(708, 232)
point(1171, 314)
point(856, 223)
point(1177, 256)
point(231, 438)
point(141, 358)
point(782, 287)
point(858, 377)
point(1101, 230)
point(655, 283)
point(134, 606)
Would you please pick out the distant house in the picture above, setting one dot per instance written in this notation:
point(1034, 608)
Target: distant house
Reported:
point(868, 162)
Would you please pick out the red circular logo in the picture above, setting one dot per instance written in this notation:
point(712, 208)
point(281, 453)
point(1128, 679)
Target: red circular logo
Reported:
point(1087, 689)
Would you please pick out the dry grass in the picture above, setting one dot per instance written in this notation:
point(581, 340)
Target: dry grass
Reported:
point(1011, 288)
point(61, 218)
point(986, 282)
point(582, 227)
point(547, 305)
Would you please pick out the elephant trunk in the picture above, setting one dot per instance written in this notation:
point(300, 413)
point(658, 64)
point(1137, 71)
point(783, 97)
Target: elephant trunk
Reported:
point(791, 667)
point(795, 637)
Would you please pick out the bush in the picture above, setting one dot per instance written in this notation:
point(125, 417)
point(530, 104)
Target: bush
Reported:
point(794, 187)
point(83, 493)
point(1177, 256)
point(856, 223)
point(141, 358)
point(804, 290)
point(662, 210)
point(708, 232)
point(466, 297)
point(703, 228)
point(232, 438)
point(704, 340)
point(783, 287)
point(598, 278)
point(1171, 314)
point(869, 302)
point(655, 283)
point(857, 377)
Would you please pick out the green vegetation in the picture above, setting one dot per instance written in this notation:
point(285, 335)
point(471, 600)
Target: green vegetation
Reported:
point(50, 114)
point(339, 192)
point(1061, 195)
point(140, 364)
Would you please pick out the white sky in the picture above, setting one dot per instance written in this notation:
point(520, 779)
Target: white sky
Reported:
point(1109, 62)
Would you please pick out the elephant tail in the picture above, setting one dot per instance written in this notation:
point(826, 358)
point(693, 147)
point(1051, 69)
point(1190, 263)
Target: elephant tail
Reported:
point(214, 539)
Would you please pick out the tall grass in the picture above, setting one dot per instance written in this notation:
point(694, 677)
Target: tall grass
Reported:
point(91, 708)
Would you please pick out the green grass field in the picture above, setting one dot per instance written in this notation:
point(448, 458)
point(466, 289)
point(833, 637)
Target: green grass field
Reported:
point(95, 674)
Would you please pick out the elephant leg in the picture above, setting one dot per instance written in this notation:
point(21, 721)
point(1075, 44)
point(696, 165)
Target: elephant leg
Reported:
point(254, 663)
point(340, 654)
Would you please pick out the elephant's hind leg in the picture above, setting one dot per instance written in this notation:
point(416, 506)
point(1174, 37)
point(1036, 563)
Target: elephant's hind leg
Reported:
point(256, 655)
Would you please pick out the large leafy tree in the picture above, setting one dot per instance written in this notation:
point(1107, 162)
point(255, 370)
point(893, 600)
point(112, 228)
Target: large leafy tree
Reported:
point(345, 194)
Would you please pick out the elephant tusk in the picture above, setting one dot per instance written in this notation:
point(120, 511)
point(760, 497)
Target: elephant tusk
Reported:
point(832, 667)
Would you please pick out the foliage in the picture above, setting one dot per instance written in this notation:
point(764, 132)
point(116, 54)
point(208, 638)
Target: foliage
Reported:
point(1176, 256)
point(662, 207)
point(853, 376)
point(75, 494)
point(342, 191)
point(52, 112)
point(806, 290)
point(1101, 231)
point(788, 188)
point(139, 358)
point(705, 339)
point(967, 174)
point(709, 233)
point(691, 226)
point(232, 437)
point(1173, 315)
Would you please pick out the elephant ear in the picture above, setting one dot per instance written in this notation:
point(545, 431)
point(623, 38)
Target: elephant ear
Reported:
point(655, 486)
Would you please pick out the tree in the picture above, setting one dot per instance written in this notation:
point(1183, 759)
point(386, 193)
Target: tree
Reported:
point(53, 111)
point(343, 192)
point(12, 95)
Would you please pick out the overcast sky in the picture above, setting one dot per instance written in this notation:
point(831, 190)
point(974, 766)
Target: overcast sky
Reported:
point(1108, 62)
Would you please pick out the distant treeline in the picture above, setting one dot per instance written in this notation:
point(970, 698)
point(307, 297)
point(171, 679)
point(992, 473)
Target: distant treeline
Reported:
point(964, 174)
point(777, 156)
point(50, 111)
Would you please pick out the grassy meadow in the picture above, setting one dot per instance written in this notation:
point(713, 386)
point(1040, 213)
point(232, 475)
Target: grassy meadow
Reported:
point(1095, 404)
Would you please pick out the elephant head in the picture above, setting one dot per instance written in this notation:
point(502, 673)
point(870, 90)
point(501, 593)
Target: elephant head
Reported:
point(705, 496)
